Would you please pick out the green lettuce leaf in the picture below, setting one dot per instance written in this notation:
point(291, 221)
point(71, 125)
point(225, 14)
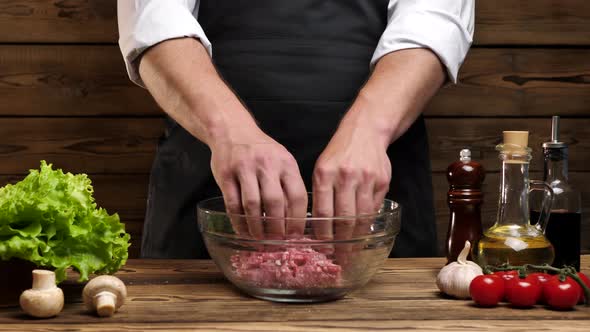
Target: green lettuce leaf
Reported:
point(51, 219)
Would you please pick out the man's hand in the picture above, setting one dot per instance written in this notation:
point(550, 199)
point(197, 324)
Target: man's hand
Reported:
point(256, 175)
point(352, 175)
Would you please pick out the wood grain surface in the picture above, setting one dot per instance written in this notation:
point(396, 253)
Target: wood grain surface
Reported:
point(127, 145)
point(537, 22)
point(544, 22)
point(518, 82)
point(58, 21)
point(88, 145)
point(492, 325)
point(72, 80)
point(185, 294)
point(90, 80)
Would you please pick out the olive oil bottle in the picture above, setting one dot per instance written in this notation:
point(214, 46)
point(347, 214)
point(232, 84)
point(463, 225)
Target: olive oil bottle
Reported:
point(513, 239)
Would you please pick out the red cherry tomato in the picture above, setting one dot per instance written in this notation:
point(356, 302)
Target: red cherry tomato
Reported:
point(523, 292)
point(542, 278)
point(487, 290)
point(561, 294)
point(586, 281)
point(507, 275)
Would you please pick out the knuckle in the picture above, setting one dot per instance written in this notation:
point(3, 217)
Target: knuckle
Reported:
point(251, 204)
point(264, 161)
point(226, 176)
point(273, 200)
point(233, 205)
point(298, 199)
point(290, 162)
point(323, 212)
point(382, 183)
point(348, 171)
point(323, 173)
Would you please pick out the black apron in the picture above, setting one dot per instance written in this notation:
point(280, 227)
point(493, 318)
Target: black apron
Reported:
point(297, 65)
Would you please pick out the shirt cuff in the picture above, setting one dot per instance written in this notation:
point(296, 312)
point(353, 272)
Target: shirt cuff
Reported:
point(156, 22)
point(443, 33)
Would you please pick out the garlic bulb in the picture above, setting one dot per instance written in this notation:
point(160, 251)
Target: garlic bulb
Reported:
point(455, 278)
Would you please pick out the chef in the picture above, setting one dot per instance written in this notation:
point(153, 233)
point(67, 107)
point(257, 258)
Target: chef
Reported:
point(269, 99)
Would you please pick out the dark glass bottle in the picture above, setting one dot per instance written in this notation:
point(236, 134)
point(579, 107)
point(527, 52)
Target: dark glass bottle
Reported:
point(464, 198)
point(564, 227)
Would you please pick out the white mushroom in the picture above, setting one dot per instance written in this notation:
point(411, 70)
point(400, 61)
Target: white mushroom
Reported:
point(45, 299)
point(105, 294)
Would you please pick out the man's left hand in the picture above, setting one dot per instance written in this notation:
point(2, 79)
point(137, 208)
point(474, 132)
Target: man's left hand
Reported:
point(351, 177)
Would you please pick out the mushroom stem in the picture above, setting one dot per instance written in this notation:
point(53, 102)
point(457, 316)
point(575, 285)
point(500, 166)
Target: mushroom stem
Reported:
point(105, 303)
point(43, 279)
point(104, 294)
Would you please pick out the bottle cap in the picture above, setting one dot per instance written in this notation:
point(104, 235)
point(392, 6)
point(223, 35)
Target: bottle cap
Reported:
point(465, 155)
point(466, 173)
point(554, 143)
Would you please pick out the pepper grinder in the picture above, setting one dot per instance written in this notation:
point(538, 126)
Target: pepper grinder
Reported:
point(464, 197)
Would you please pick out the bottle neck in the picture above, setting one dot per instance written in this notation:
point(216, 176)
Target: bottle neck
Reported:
point(513, 204)
point(556, 165)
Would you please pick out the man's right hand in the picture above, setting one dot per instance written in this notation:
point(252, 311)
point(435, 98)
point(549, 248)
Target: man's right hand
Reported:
point(258, 175)
point(255, 173)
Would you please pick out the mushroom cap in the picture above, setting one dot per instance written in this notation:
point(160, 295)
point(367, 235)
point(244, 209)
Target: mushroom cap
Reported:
point(42, 303)
point(104, 283)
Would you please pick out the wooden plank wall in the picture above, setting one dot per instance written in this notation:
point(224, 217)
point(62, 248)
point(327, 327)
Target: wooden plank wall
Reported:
point(65, 97)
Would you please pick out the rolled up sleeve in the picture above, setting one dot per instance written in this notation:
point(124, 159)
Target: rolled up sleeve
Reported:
point(443, 26)
point(144, 23)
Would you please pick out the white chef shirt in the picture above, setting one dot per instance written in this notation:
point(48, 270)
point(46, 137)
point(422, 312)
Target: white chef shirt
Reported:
point(443, 26)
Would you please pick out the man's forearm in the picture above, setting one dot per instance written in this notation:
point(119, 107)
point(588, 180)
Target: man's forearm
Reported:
point(396, 93)
point(254, 172)
point(182, 79)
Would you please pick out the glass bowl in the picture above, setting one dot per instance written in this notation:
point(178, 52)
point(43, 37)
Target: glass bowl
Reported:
point(300, 267)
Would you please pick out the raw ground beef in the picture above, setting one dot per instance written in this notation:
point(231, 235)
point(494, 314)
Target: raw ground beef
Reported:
point(293, 268)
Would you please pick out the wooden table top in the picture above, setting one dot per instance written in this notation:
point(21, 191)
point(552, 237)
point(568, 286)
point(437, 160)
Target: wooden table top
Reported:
point(193, 295)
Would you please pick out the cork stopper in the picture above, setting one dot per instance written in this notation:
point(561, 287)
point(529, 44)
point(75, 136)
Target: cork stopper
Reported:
point(515, 148)
point(516, 141)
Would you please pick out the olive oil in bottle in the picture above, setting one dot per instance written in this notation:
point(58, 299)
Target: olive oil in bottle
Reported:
point(512, 239)
point(498, 247)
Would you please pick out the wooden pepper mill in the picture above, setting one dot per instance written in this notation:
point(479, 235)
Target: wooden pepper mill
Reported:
point(464, 198)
